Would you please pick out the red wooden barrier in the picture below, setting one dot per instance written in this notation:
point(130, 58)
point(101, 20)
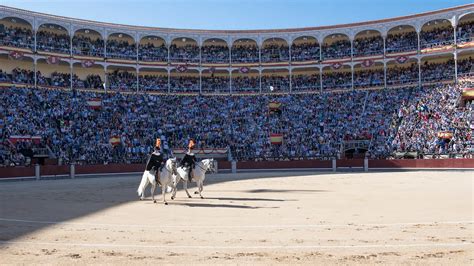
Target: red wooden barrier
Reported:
point(283, 164)
point(109, 168)
point(17, 171)
point(422, 163)
point(350, 163)
point(123, 168)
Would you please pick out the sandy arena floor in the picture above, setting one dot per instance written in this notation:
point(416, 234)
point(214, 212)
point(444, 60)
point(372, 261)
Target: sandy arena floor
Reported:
point(252, 218)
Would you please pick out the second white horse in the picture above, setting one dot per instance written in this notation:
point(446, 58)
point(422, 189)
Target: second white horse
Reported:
point(199, 174)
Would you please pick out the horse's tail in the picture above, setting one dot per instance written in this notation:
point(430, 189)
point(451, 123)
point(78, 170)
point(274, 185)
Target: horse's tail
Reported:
point(143, 184)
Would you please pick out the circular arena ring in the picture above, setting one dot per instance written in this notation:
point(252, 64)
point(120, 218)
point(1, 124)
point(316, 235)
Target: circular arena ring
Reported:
point(250, 218)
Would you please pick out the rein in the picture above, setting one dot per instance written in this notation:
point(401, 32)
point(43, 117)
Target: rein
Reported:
point(202, 168)
point(173, 171)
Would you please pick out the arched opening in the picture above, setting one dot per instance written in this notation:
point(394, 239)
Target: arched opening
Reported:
point(152, 49)
point(466, 63)
point(184, 82)
point(305, 79)
point(121, 78)
point(88, 42)
point(215, 51)
point(245, 81)
point(401, 38)
point(372, 76)
point(368, 42)
point(275, 80)
point(436, 33)
point(184, 50)
point(403, 72)
point(437, 68)
point(153, 80)
point(121, 46)
point(305, 48)
point(88, 77)
point(336, 46)
point(53, 38)
point(16, 32)
point(465, 29)
point(334, 79)
point(245, 51)
point(275, 50)
point(215, 81)
point(16, 71)
point(53, 75)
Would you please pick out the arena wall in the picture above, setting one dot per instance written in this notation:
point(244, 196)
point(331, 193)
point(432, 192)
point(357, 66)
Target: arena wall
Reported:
point(55, 170)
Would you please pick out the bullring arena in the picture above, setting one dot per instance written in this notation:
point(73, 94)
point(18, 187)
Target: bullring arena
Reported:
point(267, 217)
point(340, 144)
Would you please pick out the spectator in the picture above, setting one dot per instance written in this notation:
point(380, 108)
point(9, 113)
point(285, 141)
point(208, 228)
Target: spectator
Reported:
point(88, 46)
point(245, 53)
point(337, 49)
point(17, 37)
point(402, 42)
point(53, 42)
point(305, 51)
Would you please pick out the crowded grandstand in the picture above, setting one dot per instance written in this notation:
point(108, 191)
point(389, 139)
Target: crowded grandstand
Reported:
point(84, 92)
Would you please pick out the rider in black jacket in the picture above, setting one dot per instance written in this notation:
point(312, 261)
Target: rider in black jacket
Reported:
point(189, 159)
point(155, 162)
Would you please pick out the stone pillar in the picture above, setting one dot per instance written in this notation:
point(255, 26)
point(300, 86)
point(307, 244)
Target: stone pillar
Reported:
point(234, 166)
point(72, 170)
point(37, 172)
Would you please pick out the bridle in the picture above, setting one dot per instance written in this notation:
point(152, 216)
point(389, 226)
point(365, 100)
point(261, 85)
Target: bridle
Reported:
point(210, 167)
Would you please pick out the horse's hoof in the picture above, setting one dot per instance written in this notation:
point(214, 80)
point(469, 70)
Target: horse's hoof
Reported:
point(154, 201)
point(189, 197)
point(166, 203)
point(195, 192)
point(202, 197)
point(172, 198)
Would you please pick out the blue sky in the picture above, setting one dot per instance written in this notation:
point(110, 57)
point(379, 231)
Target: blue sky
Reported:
point(232, 14)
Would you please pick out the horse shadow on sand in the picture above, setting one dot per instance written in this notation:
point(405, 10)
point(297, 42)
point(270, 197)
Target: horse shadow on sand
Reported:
point(29, 206)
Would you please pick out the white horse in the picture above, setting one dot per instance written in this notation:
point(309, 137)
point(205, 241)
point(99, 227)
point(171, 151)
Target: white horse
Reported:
point(199, 174)
point(168, 182)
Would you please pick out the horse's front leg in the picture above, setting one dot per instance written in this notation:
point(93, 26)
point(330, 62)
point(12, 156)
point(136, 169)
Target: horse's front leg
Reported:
point(200, 187)
point(163, 191)
point(174, 189)
point(153, 188)
point(185, 186)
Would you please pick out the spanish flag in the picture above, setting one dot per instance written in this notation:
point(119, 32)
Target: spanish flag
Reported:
point(114, 140)
point(276, 138)
point(468, 93)
point(94, 103)
point(445, 135)
point(274, 106)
